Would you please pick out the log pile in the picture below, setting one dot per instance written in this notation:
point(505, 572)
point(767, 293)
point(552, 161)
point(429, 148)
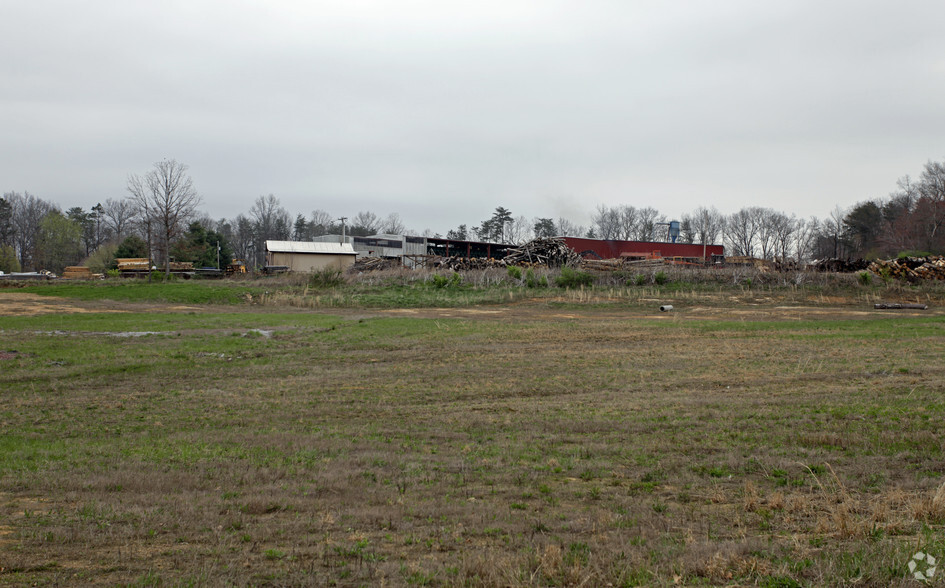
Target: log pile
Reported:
point(548, 251)
point(911, 268)
point(611, 265)
point(603, 265)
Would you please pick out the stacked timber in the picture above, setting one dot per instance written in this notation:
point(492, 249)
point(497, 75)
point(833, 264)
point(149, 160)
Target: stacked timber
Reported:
point(77, 272)
point(911, 268)
point(548, 251)
point(131, 266)
point(603, 265)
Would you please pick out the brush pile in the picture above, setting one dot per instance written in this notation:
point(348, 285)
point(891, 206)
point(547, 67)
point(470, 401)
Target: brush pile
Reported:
point(547, 251)
point(911, 268)
point(372, 264)
point(462, 264)
point(836, 265)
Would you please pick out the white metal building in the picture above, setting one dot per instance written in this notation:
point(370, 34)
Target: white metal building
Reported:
point(299, 256)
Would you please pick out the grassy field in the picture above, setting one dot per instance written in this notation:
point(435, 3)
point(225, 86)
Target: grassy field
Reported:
point(777, 437)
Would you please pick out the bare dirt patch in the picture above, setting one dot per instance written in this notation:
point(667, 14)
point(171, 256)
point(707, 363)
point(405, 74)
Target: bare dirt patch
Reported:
point(23, 304)
point(26, 304)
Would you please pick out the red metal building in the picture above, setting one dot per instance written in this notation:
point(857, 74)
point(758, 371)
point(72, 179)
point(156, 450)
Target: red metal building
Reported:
point(607, 249)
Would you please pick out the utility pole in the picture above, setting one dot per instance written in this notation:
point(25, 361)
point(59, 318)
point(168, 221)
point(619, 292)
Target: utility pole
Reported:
point(343, 219)
point(218, 255)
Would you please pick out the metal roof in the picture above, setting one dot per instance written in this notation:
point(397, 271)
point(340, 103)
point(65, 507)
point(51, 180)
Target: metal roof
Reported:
point(310, 247)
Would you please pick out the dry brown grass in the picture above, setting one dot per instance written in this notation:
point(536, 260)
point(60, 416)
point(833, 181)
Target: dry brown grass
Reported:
point(541, 445)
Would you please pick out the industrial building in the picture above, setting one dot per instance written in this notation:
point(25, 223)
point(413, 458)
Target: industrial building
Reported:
point(413, 251)
point(612, 249)
point(298, 256)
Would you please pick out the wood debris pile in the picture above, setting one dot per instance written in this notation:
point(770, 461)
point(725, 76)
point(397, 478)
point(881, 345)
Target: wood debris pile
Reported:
point(462, 264)
point(837, 265)
point(911, 268)
point(547, 251)
point(372, 264)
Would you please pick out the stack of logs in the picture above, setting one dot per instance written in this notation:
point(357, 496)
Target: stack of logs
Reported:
point(911, 268)
point(547, 251)
point(620, 264)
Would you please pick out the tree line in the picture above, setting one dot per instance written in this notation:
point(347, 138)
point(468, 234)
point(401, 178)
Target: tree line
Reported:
point(160, 219)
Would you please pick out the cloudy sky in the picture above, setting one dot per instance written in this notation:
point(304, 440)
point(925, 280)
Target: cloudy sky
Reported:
point(441, 111)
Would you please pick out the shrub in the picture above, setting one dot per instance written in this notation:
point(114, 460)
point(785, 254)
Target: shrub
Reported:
point(515, 272)
point(102, 258)
point(8, 260)
point(660, 278)
point(571, 278)
point(329, 277)
point(454, 280)
point(535, 282)
point(865, 278)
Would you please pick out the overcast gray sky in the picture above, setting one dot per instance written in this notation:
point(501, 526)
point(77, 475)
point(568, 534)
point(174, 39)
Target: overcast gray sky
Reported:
point(441, 111)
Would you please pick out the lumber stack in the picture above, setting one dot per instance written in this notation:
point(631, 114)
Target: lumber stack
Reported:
point(77, 272)
point(911, 268)
point(133, 265)
point(548, 251)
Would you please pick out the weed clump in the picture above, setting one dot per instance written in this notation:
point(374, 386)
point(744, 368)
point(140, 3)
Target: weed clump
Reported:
point(571, 278)
point(533, 281)
point(440, 281)
point(326, 278)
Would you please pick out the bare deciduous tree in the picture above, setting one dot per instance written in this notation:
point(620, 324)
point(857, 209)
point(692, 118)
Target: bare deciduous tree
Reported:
point(392, 225)
point(321, 222)
point(567, 228)
point(646, 224)
point(364, 223)
point(708, 224)
point(742, 229)
point(932, 191)
point(804, 239)
point(519, 230)
point(26, 214)
point(118, 215)
point(167, 199)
